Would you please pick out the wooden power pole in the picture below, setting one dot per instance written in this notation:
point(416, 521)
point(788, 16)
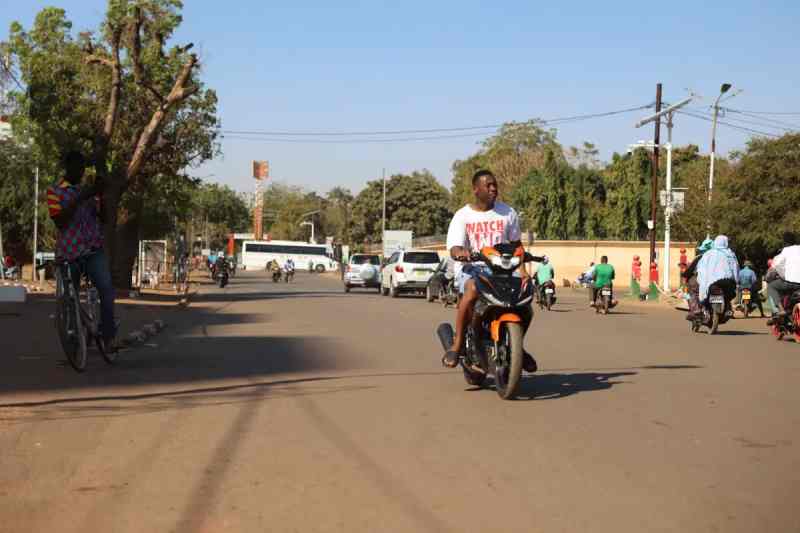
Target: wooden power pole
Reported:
point(654, 183)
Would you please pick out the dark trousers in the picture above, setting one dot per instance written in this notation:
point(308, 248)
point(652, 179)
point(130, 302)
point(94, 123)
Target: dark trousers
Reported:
point(776, 289)
point(96, 268)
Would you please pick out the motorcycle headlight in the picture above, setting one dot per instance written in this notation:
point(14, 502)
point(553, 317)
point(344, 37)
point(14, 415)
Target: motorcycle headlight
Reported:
point(507, 263)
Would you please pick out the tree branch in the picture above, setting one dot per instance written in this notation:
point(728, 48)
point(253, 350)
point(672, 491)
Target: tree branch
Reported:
point(179, 92)
point(136, 56)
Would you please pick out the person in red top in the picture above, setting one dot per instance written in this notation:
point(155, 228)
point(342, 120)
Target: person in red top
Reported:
point(76, 211)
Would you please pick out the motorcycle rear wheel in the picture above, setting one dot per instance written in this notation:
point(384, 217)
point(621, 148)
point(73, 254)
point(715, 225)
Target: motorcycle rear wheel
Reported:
point(507, 377)
point(714, 323)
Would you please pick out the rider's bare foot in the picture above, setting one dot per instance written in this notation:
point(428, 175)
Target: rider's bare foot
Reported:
point(450, 359)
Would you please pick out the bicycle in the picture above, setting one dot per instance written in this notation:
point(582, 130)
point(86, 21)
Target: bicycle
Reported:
point(180, 272)
point(77, 316)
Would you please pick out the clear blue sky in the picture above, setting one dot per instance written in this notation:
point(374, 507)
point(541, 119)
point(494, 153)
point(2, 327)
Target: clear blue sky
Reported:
point(333, 66)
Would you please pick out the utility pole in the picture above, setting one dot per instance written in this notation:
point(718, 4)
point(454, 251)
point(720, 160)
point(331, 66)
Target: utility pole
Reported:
point(669, 113)
point(383, 223)
point(2, 255)
point(722, 90)
point(668, 206)
point(35, 221)
point(654, 182)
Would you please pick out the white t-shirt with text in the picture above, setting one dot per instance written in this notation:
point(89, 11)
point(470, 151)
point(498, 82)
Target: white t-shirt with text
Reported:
point(477, 229)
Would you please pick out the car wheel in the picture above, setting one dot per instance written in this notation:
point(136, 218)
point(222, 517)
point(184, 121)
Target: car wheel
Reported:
point(393, 290)
point(429, 294)
point(319, 269)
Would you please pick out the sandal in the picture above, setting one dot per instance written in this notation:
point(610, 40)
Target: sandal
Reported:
point(450, 359)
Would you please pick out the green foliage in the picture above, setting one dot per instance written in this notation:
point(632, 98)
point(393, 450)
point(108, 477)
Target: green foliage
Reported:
point(17, 167)
point(517, 149)
point(761, 198)
point(415, 202)
point(627, 207)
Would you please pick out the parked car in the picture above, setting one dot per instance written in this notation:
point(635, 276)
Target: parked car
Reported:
point(408, 271)
point(362, 270)
point(441, 286)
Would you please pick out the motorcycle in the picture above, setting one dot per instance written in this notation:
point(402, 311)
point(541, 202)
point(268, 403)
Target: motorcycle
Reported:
point(448, 294)
point(276, 276)
point(288, 275)
point(605, 300)
point(223, 278)
point(790, 324)
point(503, 314)
point(717, 308)
point(11, 273)
point(547, 294)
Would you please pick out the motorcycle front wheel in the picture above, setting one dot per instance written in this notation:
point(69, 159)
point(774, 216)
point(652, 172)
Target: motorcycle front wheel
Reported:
point(509, 370)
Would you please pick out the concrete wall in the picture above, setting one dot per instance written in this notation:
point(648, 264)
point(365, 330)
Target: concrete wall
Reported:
point(570, 258)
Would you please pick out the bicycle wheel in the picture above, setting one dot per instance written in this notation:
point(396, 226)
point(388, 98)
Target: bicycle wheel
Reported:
point(79, 357)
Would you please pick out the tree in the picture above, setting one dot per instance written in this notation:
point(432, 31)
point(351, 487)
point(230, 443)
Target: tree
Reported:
point(17, 164)
point(336, 217)
point(761, 198)
point(119, 95)
point(511, 155)
point(627, 207)
point(415, 202)
point(217, 210)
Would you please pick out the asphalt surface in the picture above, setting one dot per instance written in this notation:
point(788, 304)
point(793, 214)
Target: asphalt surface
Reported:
point(275, 407)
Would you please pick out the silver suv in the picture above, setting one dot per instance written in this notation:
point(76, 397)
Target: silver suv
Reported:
point(362, 270)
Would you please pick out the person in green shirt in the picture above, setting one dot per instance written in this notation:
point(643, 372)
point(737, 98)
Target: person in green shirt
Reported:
point(603, 277)
point(545, 271)
point(544, 274)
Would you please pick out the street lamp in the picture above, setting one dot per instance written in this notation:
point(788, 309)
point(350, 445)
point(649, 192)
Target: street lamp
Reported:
point(722, 90)
point(312, 229)
point(304, 215)
point(668, 205)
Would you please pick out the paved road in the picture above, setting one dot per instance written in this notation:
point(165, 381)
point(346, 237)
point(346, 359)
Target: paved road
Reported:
point(269, 407)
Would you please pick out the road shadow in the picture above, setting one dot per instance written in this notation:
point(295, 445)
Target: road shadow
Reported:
point(554, 386)
point(729, 333)
point(120, 404)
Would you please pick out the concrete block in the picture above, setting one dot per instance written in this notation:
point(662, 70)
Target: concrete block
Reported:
point(13, 294)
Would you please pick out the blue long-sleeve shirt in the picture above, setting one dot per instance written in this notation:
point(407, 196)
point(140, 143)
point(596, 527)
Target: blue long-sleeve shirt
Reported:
point(747, 278)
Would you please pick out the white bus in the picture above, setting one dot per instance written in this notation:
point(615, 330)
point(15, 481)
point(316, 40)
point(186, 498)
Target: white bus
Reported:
point(256, 255)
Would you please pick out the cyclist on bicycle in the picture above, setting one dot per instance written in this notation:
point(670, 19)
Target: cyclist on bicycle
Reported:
point(77, 212)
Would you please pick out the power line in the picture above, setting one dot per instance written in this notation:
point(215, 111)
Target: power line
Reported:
point(354, 141)
point(553, 121)
point(734, 126)
point(766, 120)
point(766, 112)
point(752, 120)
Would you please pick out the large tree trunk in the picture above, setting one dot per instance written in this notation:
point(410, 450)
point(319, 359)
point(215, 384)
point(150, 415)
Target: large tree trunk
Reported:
point(121, 235)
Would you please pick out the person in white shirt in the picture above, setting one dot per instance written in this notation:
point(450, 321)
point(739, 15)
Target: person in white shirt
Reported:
point(485, 222)
point(787, 265)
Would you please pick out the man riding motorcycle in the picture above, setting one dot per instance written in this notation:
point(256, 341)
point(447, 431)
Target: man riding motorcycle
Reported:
point(748, 280)
point(485, 222)
point(604, 275)
point(288, 269)
point(786, 280)
point(544, 277)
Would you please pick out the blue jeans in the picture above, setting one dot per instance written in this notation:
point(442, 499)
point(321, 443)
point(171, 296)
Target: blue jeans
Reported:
point(95, 266)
